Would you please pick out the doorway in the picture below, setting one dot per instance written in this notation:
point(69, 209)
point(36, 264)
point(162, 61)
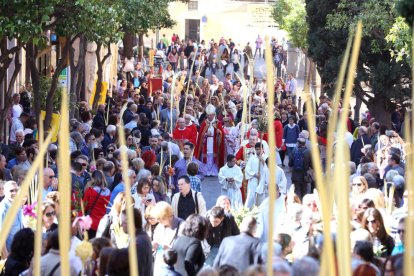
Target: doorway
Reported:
point(192, 29)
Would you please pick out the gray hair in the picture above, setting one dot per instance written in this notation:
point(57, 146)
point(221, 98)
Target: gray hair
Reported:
point(75, 135)
point(305, 266)
point(143, 174)
point(138, 163)
point(131, 154)
point(389, 177)
point(352, 167)
point(110, 128)
point(248, 225)
point(20, 131)
point(130, 172)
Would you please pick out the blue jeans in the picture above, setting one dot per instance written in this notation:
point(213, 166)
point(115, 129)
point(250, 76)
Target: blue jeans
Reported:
point(289, 152)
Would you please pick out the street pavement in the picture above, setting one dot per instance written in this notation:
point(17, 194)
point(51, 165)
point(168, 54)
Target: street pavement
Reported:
point(210, 187)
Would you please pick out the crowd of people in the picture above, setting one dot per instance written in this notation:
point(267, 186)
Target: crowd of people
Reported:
point(178, 136)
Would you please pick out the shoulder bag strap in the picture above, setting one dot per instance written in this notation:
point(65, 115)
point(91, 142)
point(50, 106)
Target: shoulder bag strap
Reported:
point(54, 269)
point(196, 203)
point(176, 233)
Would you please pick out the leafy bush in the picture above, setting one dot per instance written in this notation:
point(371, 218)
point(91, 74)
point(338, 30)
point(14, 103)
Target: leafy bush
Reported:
point(45, 84)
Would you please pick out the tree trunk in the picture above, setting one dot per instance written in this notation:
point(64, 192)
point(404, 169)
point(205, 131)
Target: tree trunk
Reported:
point(9, 95)
point(100, 62)
point(381, 109)
point(31, 52)
point(61, 64)
point(76, 75)
point(128, 42)
point(5, 60)
point(357, 109)
point(141, 47)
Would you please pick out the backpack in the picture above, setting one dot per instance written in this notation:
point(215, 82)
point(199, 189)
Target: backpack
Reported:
point(298, 158)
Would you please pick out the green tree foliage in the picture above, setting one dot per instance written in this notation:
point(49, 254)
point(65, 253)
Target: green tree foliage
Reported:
point(291, 17)
point(143, 16)
point(400, 38)
point(406, 10)
point(380, 80)
point(325, 47)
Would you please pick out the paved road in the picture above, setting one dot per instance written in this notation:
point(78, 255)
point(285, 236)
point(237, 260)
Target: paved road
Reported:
point(210, 188)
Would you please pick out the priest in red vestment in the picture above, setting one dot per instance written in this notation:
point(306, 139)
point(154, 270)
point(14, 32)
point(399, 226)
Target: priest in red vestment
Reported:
point(210, 143)
point(183, 134)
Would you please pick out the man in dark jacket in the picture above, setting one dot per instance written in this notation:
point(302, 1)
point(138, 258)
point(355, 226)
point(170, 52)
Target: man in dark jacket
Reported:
point(358, 144)
point(300, 163)
point(99, 119)
point(221, 226)
point(128, 115)
point(242, 250)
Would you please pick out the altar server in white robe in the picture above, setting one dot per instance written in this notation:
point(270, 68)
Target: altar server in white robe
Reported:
point(253, 173)
point(262, 190)
point(231, 177)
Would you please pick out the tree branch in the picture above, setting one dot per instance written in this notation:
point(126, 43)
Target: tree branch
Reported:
point(359, 92)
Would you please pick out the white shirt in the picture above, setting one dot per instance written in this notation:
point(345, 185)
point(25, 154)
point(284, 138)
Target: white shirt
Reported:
point(232, 189)
point(16, 125)
point(17, 110)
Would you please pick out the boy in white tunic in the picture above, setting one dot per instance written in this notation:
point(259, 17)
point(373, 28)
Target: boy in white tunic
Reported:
point(231, 177)
point(253, 172)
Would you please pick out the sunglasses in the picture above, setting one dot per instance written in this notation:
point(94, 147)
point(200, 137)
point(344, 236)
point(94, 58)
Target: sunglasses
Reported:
point(84, 164)
point(372, 221)
point(50, 214)
point(52, 176)
point(400, 231)
point(111, 150)
point(357, 184)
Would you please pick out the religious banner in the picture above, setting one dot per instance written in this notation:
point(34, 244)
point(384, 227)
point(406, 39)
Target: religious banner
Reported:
point(154, 84)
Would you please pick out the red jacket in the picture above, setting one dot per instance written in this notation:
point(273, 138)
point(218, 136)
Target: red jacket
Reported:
point(96, 210)
point(278, 132)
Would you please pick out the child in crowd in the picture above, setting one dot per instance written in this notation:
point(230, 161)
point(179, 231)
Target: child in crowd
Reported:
point(192, 171)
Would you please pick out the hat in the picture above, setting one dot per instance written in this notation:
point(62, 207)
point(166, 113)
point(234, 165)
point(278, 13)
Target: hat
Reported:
point(210, 109)
point(220, 83)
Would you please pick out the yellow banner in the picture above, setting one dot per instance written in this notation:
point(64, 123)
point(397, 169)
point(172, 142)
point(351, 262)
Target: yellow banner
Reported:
point(104, 91)
point(55, 124)
point(151, 57)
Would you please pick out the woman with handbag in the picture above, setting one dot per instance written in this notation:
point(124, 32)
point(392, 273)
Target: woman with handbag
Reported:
point(96, 198)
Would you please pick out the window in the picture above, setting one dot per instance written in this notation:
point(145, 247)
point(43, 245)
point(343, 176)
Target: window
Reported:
point(193, 5)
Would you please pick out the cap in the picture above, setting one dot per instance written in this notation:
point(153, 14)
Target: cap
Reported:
point(220, 83)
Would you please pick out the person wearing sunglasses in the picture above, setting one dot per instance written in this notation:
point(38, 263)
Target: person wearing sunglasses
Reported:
point(10, 191)
point(374, 223)
point(48, 218)
point(49, 182)
point(359, 187)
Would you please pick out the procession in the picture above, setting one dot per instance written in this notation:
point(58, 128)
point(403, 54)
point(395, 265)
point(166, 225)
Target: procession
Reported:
point(208, 157)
